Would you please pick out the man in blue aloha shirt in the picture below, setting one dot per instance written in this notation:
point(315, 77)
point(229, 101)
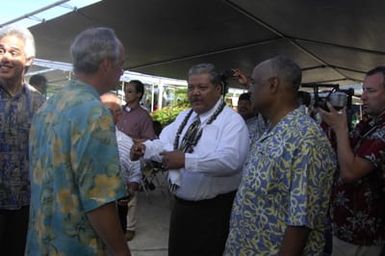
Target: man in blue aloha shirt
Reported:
point(75, 174)
point(283, 198)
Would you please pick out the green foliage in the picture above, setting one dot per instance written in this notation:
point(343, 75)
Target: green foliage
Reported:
point(168, 114)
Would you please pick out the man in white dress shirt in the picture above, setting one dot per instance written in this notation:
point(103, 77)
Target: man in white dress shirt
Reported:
point(204, 162)
point(130, 170)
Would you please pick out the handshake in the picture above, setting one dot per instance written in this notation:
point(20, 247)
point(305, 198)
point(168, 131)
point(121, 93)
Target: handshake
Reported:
point(170, 160)
point(137, 150)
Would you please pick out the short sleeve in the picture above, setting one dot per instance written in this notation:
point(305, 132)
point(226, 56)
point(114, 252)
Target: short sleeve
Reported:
point(95, 158)
point(311, 180)
point(148, 127)
point(373, 150)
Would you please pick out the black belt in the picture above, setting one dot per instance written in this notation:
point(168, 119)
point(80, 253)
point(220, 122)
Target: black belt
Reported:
point(227, 196)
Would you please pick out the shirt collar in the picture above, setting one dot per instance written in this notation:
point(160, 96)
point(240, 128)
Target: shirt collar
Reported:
point(129, 109)
point(283, 122)
point(251, 119)
point(18, 94)
point(205, 116)
point(85, 86)
point(376, 120)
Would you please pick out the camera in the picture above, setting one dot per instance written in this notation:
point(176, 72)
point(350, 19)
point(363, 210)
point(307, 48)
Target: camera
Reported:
point(338, 98)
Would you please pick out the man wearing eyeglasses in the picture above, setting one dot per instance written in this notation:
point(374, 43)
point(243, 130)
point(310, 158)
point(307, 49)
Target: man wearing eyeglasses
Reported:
point(136, 123)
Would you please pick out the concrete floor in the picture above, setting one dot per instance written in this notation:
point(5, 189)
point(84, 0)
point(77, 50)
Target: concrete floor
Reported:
point(153, 214)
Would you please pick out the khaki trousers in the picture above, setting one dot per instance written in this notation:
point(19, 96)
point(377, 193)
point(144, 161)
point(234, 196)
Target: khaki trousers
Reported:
point(131, 215)
point(342, 248)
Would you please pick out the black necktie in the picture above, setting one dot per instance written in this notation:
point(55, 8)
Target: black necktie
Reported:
point(191, 137)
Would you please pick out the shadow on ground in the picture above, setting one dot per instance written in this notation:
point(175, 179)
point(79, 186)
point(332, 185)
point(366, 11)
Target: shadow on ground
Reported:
point(153, 213)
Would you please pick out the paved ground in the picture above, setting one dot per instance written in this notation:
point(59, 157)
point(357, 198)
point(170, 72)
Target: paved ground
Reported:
point(153, 215)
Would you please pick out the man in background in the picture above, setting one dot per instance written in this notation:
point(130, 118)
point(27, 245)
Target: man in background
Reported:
point(130, 170)
point(254, 121)
point(136, 123)
point(40, 83)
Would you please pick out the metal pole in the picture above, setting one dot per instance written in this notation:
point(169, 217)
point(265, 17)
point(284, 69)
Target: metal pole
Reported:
point(152, 97)
point(26, 16)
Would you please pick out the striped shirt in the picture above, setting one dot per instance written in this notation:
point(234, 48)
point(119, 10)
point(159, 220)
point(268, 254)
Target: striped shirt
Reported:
point(130, 170)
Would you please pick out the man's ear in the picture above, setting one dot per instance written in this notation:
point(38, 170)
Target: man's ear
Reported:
point(273, 84)
point(29, 61)
point(218, 88)
point(105, 65)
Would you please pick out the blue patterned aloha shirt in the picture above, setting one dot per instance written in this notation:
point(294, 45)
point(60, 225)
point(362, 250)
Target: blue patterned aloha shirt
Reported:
point(74, 169)
point(16, 113)
point(286, 181)
point(256, 126)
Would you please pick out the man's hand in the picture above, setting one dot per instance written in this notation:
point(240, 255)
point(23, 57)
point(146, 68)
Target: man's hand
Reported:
point(137, 151)
point(138, 141)
point(294, 241)
point(173, 159)
point(241, 78)
point(351, 166)
point(132, 187)
point(335, 119)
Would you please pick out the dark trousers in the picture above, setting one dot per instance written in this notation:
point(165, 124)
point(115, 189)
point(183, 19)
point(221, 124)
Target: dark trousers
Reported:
point(200, 228)
point(123, 210)
point(13, 231)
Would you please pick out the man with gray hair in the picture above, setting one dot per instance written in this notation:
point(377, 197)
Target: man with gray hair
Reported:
point(282, 202)
point(204, 150)
point(18, 103)
point(74, 159)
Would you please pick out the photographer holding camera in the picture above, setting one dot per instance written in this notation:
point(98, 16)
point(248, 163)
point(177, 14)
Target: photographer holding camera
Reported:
point(358, 197)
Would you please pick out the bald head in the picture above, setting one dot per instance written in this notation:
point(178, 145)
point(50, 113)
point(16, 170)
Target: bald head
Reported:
point(113, 103)
point(284, 68)
point(275, 86)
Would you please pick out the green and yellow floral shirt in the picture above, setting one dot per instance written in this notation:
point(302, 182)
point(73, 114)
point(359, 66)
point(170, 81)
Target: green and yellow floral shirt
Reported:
point(74, 169)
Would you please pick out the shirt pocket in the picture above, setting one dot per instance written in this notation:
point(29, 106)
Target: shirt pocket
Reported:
point(275, 168)
point(209, 139)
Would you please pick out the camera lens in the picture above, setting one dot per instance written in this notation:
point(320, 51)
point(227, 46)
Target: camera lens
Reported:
point(338, 100)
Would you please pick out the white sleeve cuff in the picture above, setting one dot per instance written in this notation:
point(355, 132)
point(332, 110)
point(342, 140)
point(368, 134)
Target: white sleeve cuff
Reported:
point(150, 151)
point(135, 179)
point(190, 162)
